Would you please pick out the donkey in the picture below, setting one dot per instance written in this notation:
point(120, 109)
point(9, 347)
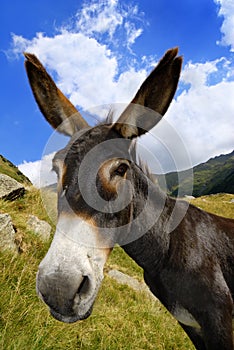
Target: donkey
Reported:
point(105, 198)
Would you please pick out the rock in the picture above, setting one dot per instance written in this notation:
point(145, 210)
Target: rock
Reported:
point(189, 197)
point(10, 189)
point(7, 233)
point(122, 278)
point(40, 227)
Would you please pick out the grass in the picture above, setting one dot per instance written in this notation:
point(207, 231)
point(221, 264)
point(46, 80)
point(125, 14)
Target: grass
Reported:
point(121, 319)
point(219, 204)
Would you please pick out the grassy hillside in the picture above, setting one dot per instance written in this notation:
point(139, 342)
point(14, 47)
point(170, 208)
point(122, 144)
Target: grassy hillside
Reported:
point(122, 318)
point(219, 204)
point(214, 176)
point(8, 168)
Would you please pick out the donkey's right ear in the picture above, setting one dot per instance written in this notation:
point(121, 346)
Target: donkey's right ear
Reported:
point(156, 94)
point(56, 108)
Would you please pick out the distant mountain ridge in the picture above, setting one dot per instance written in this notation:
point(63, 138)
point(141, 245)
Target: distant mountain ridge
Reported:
point(8, 168)
point(214, 176)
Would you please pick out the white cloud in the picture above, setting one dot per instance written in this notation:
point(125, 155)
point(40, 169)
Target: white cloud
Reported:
point(132, 33)
point(109, 17)
point(39, 172)
point(101, 17)
point(196, 74)
point(226, 10)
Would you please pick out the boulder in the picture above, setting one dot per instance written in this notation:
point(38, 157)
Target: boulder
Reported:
point(7, 233)
point(39, 227)
point(10, 189)
point(131, 282)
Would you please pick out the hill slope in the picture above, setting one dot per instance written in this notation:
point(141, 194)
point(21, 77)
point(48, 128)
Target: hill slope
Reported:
point(8, 168)
point(214, 176)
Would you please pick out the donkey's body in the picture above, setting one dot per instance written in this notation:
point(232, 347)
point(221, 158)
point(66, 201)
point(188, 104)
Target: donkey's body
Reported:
point(190, 270)
point(189, 265)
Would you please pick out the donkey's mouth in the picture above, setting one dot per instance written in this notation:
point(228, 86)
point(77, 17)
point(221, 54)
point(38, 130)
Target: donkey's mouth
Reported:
point(70, 318)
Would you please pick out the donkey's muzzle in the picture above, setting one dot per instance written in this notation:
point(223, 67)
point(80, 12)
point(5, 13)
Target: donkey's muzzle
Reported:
point(64, 294)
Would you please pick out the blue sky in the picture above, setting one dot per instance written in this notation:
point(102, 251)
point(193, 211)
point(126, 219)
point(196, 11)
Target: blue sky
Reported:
point(101, 51)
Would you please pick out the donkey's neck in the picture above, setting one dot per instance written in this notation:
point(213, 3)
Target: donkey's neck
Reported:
point(150, 248)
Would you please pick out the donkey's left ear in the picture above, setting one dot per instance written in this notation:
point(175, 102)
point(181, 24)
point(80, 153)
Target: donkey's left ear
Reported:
point(56, 108)
point(156, 93)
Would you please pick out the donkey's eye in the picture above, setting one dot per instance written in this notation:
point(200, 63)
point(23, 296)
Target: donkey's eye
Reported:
point(121, 170)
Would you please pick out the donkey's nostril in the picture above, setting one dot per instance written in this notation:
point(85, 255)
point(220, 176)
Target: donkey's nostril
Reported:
point(84, 286)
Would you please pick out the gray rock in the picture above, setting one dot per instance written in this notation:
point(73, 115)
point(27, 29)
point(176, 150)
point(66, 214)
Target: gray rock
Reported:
point(10, 189)
point(189, 197)
point(7, 233)
point(40, 227)
point(133, 283)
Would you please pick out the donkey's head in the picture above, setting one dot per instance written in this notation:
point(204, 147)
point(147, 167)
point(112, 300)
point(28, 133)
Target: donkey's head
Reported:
point(96, 185)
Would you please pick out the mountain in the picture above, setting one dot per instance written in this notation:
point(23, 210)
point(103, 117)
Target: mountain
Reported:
point(214, 176)
point(8, 168)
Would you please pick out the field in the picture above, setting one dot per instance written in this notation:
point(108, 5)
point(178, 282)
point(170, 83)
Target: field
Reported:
point(121, 319)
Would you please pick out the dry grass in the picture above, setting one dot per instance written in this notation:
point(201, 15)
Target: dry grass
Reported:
point(219, 204)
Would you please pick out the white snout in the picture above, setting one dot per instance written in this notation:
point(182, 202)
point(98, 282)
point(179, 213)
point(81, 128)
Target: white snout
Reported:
point(71, 273)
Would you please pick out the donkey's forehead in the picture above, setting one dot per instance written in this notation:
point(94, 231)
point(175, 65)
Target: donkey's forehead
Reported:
point(90, 137)
point(79, 141)
point(102, 139)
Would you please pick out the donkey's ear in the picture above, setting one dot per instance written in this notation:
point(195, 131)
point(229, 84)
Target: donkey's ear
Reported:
point(156, 93)
point(56, 108)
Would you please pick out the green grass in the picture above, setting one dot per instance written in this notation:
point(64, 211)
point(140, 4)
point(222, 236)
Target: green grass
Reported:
point(121, 319)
